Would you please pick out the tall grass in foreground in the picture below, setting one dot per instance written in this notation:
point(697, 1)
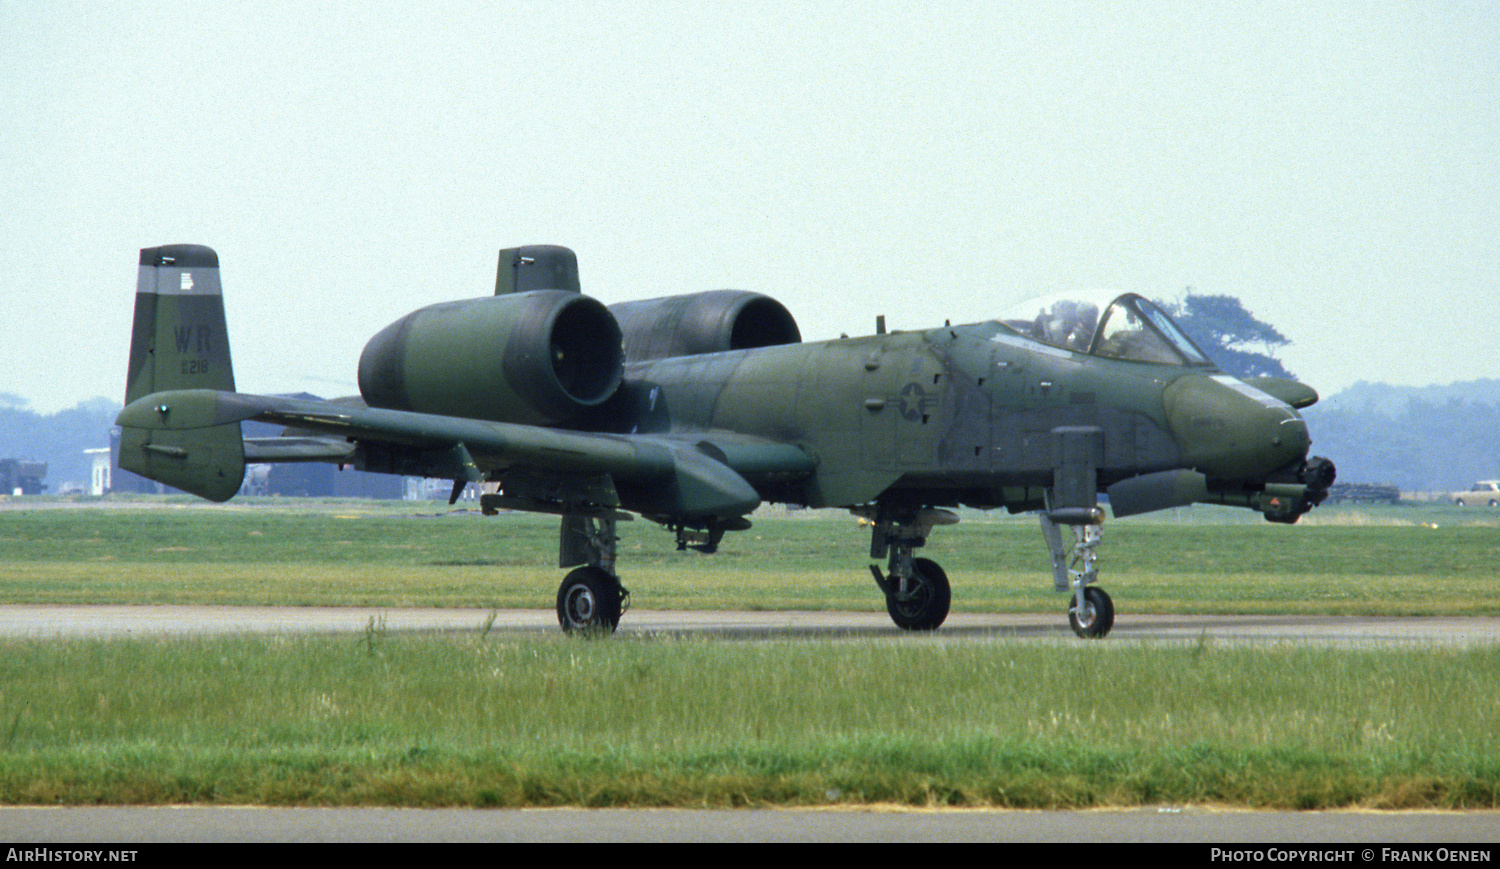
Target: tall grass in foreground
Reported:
point(504, 721)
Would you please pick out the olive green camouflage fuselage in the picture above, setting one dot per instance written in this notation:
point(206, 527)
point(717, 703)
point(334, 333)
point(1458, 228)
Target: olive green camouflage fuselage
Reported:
point(961, 415)
point(976, 415)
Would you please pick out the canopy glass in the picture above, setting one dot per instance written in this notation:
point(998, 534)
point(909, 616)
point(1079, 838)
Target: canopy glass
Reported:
point(1109, 324)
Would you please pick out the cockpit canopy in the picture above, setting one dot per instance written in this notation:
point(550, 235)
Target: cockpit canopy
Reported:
point(1106, 323)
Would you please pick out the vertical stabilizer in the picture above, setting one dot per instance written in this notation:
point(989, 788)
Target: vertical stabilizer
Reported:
point(536, 267)
point(179, 341)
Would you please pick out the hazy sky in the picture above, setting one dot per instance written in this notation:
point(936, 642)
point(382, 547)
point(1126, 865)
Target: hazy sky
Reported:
point(1335, 165)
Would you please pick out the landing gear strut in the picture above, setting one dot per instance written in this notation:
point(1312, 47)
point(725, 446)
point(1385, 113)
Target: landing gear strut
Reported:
point(1091, 613)
point(917, 594)
point(591, 598)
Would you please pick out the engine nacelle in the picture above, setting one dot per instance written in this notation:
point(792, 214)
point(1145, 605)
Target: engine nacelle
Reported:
point(544, 357)
point(710, 322)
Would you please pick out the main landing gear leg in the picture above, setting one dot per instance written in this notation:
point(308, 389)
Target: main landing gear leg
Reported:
point(917, 594)
point(1091, 613)
point(591, 598)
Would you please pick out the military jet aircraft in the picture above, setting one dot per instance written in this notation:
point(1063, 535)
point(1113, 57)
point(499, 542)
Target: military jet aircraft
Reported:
point(693, 410)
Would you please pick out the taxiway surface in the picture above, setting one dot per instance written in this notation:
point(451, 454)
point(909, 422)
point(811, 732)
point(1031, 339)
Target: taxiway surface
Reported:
point(44, 620)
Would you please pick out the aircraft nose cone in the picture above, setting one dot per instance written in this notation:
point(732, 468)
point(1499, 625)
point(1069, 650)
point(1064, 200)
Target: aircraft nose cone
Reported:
point(1232, 431)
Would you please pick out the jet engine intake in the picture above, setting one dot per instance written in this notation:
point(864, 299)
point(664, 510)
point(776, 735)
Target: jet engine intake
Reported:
point(709, 322)
point(545, 357)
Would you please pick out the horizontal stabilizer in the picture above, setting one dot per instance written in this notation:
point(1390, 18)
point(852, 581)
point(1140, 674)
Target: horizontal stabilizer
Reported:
point(298, 449)
point(692, 478)
point(178, 438)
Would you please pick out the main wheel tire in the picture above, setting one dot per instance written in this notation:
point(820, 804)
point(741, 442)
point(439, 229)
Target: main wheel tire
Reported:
point(927, 605)
point(588, 601)
point(1098, 616)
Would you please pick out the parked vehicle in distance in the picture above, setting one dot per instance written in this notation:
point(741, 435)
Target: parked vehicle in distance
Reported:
point(1363, 493)
point(1486, 492)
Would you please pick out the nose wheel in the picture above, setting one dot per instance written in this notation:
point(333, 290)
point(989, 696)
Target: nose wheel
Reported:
point(1096, 615)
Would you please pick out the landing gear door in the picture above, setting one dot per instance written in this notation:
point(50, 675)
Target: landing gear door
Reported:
point(1078, 451)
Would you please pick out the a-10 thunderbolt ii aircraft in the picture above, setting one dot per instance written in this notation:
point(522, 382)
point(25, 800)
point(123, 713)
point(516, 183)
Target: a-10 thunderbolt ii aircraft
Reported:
point(692, 410)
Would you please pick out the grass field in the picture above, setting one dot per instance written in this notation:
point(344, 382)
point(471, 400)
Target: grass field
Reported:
point(1207, 560)
point(486, 719)
point(505, 721)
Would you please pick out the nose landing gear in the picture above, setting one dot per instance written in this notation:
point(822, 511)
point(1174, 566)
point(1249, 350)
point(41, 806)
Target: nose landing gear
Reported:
point(1091, 613)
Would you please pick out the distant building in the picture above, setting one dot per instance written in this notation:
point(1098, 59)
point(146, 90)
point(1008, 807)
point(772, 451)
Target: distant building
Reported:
point(20, 477)
point(317, 479)
point(99, 479)
point(427, 489)
point(312, 479)
point(121, 480)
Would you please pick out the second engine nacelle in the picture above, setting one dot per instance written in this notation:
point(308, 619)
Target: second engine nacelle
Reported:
point(545, 357)
point(709, 322)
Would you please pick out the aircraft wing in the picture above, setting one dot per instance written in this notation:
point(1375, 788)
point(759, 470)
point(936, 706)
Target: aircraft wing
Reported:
point(686, 476)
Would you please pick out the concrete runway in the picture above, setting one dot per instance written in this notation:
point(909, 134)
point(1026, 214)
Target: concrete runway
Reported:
point(43, 620)
point(1180, 826)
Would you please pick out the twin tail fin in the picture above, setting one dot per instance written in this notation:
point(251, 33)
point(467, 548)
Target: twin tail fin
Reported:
point(180, 342)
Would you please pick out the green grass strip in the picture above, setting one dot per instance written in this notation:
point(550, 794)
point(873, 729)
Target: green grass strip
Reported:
point(472, 720)
point(396, 554)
